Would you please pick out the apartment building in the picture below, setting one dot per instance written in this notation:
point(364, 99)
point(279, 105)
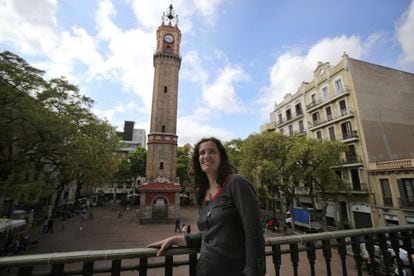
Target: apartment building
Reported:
point(370, 108)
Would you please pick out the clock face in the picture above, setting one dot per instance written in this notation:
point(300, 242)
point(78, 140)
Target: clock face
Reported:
point(168, 38)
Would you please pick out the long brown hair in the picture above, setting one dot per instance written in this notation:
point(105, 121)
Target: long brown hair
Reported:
point(200, 180)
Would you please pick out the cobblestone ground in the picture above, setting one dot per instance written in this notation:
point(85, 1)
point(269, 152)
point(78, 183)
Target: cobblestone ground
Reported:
point(107, 231)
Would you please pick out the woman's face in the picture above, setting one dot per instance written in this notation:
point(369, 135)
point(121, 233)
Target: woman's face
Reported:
point(209, 157)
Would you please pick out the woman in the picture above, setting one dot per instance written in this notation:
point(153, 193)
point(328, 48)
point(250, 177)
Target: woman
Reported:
point(231, 237)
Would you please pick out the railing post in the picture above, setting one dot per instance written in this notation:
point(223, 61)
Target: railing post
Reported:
point(169, 265)
point(25, 271)
point(143, 265)
point(356, 250)
point(57, 269)
point(193, 264)
point(342, 254)
point(408, 246)
point(326, 248)
point(369, 245)
point(395, 244)
point(384, 251)
point(294, 257)
point(277, 258)
point(116, 268)
point(87, 269)
point(310, 252)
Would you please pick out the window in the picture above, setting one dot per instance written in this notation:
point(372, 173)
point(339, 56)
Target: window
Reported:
point(386, 192)
point(346, 130)
point(338, 86)
point(301, 128)
point(356, 182)
point(313, 99)
point(298, 109)
point(165, 89)
point(319, 135)
point(163, 129)
point(350, 154)
point(325, 93)
point(406, 187)
point(280, 118)
point(315, 118)
point(342, 107)
point(328, 113)
point(161, 165)
point(290, 130)
point(288, 114)
point(332, 133)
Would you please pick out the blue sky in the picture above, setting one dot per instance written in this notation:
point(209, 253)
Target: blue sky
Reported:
point(238, 57)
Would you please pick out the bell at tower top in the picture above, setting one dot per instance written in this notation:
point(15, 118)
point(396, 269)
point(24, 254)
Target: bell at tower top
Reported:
point(169, 17)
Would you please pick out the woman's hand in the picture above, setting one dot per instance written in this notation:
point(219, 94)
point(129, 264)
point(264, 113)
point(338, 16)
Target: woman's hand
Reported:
point(165, 243)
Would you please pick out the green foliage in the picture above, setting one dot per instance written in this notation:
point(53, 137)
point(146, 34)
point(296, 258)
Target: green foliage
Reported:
point(183, 164)
point(233, 149)
point(50, 137)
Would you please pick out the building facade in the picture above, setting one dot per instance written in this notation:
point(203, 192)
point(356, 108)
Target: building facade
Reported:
point(369, 108)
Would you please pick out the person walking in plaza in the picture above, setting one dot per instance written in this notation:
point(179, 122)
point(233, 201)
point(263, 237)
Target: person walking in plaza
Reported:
point(188, 229)
point(183, 229)
point(45, 224)
point(231, 237)
point(177, 226)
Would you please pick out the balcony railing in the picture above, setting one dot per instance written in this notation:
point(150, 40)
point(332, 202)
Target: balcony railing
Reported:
point(407, 202)
point(342, 246)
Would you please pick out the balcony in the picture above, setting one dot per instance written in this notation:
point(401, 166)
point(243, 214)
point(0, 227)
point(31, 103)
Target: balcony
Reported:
point(344, 114)
point(320, 103)
point(406, 202)
point(315, 253)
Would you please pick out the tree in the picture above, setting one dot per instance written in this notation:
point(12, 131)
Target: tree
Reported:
point(233, 149)
point(317, 160)
point(183, 165)
point(138, 162)
point(266, 158)
point(52, 138)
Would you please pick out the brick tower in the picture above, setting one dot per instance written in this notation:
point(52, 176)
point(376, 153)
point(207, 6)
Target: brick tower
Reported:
point(160, 194)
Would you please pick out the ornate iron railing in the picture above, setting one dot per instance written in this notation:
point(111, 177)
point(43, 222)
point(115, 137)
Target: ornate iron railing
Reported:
point(384, 246)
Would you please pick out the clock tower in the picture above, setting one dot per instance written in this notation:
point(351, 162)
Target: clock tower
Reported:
point(160, 194)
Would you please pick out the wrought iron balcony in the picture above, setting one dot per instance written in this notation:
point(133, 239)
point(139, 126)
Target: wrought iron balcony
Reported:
point(314, 253)
point(407, 202)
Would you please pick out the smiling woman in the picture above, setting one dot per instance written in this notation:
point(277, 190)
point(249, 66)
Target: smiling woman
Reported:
point(231, 237)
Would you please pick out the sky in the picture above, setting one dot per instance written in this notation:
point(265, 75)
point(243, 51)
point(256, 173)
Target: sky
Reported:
point(239, 57)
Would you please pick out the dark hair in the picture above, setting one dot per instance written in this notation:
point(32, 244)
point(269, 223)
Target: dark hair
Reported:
point(200, 180)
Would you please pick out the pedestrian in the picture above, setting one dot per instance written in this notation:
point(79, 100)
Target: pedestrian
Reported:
point(50, 225)
point(81, 223)
point(183, 229)
point(45, 224)
point(177, 226)
point(188, 229)
point(231, 237)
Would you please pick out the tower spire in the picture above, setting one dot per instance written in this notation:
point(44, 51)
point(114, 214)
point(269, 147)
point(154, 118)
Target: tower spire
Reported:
point(169, 17)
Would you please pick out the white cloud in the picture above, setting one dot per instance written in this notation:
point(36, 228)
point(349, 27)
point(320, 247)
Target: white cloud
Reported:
point(191, 131)
point(293, 67)
point(106, 28)
point(129, 61)
point(405, 35)
point(192, 69)
point(29, 25)
point(221, 94)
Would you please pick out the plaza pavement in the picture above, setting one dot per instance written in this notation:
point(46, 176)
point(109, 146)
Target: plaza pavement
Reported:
point(107, 231)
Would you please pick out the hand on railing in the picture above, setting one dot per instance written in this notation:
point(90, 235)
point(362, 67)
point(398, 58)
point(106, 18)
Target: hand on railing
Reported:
point(167, 242)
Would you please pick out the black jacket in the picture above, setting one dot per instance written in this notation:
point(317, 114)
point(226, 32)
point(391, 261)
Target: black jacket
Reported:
point(231, 238)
